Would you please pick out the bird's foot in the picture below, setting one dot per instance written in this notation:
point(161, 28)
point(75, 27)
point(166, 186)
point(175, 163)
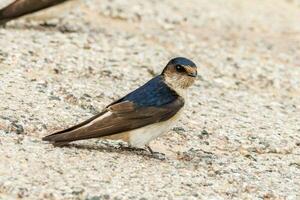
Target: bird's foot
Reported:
point(131, 148)
point(157, 155)
point(153, 154)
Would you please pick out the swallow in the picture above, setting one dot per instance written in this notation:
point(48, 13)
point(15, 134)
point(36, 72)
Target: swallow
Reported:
point(141, 115)
point(23, 7)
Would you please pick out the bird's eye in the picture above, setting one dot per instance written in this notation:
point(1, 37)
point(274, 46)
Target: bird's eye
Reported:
point(180, 68)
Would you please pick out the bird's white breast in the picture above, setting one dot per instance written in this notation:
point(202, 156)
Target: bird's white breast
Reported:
point(142, 136)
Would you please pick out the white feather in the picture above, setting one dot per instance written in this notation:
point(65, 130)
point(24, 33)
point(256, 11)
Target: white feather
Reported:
point(142, 136)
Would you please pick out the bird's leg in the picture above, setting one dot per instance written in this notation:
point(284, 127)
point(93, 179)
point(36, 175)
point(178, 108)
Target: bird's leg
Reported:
point(149, 149)
point(154, 154)
point(157, 155)
point(122, 145)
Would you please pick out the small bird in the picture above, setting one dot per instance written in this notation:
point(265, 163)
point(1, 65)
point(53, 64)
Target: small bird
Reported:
point(141, 115)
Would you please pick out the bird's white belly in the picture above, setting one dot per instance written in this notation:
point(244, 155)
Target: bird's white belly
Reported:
point(142, 136)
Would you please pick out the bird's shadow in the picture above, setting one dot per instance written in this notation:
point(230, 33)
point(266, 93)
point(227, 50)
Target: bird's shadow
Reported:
point(36, 27)
point(44, 27)
point(121, 149)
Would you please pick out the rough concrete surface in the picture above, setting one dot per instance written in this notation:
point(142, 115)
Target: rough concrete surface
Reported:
point(238, 139)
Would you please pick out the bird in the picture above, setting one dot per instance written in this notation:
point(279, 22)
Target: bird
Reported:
point(142, 115)
point(23, 7)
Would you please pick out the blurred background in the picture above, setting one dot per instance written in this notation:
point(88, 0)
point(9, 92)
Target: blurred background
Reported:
point(238, 139)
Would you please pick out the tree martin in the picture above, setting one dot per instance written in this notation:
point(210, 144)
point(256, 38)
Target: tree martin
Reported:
point(141, 115)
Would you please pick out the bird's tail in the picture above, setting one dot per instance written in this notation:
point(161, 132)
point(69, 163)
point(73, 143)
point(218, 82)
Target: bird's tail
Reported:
point(3, 18)
point(60, 138)
point(23, 7)
point(67, 135)
point(64, 137)
point(77, 132)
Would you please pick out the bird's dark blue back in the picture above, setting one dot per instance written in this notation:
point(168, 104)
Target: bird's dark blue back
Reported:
point(154, 93)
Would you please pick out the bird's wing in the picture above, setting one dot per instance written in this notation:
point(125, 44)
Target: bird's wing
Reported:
point(119, 117)
point(23, 7)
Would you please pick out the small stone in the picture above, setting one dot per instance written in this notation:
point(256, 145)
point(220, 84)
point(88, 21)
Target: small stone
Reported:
point(54, 98)
point(17, 128)
point(94, 198)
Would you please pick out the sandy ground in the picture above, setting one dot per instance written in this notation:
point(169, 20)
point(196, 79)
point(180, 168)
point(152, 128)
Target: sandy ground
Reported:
point(238, 139)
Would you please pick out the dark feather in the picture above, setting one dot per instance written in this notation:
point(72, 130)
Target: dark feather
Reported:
point(23, 7)
point(153, 102)
point(154, 93)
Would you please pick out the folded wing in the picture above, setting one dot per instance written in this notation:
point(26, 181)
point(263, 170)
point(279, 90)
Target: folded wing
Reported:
point(119, 117)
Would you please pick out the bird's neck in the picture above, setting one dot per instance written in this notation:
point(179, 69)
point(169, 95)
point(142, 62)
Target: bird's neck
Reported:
point(173, 84)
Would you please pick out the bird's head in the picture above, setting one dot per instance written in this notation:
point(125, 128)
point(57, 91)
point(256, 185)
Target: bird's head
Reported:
point(180, 73)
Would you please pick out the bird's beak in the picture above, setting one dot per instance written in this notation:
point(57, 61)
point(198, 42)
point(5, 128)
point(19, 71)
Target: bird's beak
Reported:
point(191, 71)
point(194, 74)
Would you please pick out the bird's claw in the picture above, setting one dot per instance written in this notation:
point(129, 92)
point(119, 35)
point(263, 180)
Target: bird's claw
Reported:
point(159, 156)
point(156, 155)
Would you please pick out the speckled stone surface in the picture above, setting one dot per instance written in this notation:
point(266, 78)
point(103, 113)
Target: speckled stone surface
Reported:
point(238, 139)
